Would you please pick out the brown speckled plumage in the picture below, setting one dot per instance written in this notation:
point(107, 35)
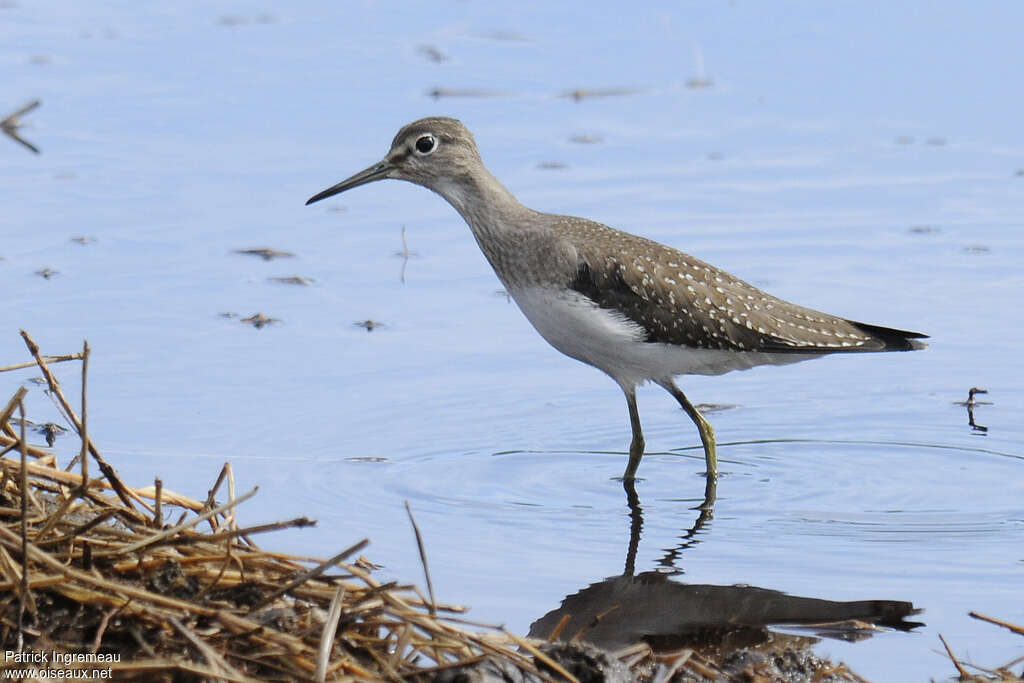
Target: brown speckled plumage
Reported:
point(679, 299)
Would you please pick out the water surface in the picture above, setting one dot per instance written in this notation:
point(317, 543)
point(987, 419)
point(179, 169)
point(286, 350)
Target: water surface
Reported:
point(860, 159)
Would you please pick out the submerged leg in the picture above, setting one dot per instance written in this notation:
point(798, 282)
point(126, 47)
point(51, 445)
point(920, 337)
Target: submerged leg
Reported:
point(636, 447)
point(707, 433)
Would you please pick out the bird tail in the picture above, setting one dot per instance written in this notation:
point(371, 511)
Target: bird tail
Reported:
point(893, 339)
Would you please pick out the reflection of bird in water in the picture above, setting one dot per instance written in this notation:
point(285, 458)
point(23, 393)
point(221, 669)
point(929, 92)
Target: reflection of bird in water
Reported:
point(654, 608)
point(633, 308)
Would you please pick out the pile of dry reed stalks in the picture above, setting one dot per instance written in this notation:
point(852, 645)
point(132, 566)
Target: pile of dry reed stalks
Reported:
point(174, 588)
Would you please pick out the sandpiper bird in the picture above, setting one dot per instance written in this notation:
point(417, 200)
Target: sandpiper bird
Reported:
point(636, 309)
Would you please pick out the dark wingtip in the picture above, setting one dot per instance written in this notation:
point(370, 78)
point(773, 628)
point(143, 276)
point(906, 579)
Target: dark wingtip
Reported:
point(893, 339)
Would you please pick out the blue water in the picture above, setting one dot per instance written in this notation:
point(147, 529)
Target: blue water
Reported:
point(857, 158)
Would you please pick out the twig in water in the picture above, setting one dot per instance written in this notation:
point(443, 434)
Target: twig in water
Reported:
point(964, 673)
point(998, 622)
point(404, 254)
point(48, 359)
point(84, 455)
point(423, 559)
point(232, 520)
point(12, 405)
point(213, 492)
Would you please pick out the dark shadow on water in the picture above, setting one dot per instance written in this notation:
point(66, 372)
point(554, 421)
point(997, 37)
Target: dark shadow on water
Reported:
point(653, 607)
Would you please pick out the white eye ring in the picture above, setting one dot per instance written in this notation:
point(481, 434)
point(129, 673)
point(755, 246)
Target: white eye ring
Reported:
point(425, 144)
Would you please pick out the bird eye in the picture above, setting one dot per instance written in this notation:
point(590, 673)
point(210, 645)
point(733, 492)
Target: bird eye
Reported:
point(426, 144)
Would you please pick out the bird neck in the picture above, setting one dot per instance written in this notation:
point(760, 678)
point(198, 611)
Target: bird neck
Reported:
point(499, 222)
point(483, 202)
point(520, 244)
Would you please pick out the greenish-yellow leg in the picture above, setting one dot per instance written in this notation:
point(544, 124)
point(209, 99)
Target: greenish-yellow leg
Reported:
point(707, 432)
point(636, 447)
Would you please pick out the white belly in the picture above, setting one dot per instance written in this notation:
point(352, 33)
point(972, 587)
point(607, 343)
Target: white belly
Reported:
point(609, 341)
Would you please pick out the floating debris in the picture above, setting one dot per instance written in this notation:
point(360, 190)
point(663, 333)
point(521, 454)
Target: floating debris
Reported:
point(83, 239)
point(259, 321)
point(238, 20)
point(700, 80)
point(552, 165)
point(904, 140)
point(976, 249)
point(971, 401)
point(293, 280)
point(585, 139)
point(108, 33)
point(580, 94)
point(715, 407)
point(432, 53)
point(438, 93)
point(266, 253)
point(715, 156)
point(935, 142)
point(500, 34)
point(923, 229)
point(368, 324)
point(49, 431)
point(12, 123)
point(404, 254)
point(404, 251)
point(47, 272)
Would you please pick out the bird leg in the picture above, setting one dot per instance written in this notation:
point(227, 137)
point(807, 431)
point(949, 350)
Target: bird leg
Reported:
point(707, 433)
point(636, 447)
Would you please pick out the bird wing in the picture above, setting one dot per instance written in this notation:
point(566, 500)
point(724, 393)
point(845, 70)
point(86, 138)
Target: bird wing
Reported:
point(679, 299)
